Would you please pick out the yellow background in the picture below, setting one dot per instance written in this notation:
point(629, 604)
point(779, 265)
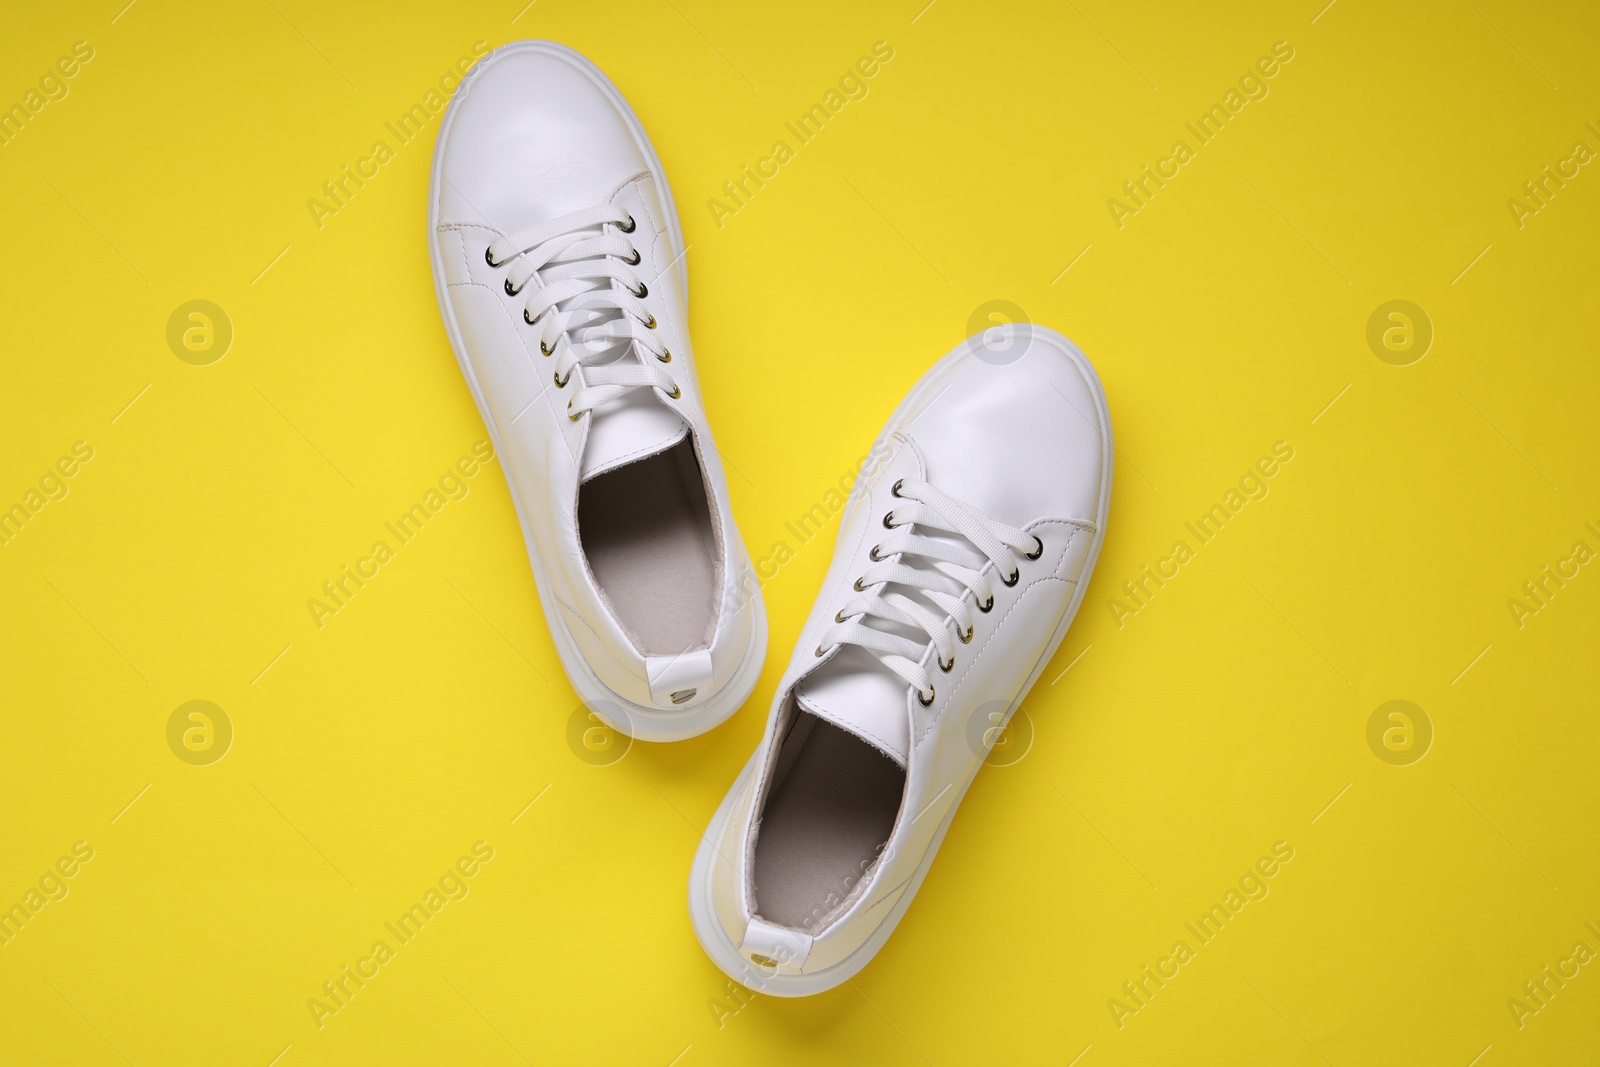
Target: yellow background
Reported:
point(1228, 714)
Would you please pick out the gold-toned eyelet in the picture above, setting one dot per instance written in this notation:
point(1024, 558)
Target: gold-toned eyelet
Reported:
point(947, 667)
point(665, 356)
point(1016, 576)
point(986, 608)
point(873, 555)
point(820, 652)
point(561, 383)
point(543, 351)
point(488, 256)
point(839, 616)
point(634, 262)
point(629, 228)
point(570, 415)
point(676, 392)
point(932, 693)
point(1036, 553)
point(966, 638)
point(650, 325)
point(512, 292)
point(858, 587)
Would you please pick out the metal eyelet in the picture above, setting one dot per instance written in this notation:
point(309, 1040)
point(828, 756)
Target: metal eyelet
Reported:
point(966, 638)
point(986, 608)
point(642, 292)
point(651, 324)
point(530, 322)
point(932, 693)
point(947, 667)
point(634, 262)
point(839, 617)
point(858, 587)
point(873, 555)
point(1016, 576)
point(488, 256)
point(887, 525)
point(676, 393)
point(666, 355)
point(512, 292)
point(629, 228)
point(894, 490)
point(1036, 553)
point(561, 383)
point(570, 415)
point(543, 351)
point(820, 652)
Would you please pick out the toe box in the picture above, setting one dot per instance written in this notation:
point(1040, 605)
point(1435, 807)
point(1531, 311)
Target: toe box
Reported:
point(536, 131)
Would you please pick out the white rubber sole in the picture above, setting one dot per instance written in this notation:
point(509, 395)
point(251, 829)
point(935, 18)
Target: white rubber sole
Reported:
point(636, 720)
point(702, 913)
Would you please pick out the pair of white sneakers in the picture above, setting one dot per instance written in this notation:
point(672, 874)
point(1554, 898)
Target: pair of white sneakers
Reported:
point(963, 551)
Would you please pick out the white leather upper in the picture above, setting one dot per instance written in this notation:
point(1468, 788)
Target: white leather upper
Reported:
point(535, 132)
point(1027, 442)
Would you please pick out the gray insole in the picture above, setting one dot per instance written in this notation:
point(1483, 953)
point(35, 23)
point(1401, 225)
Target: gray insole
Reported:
point(646, 530)
point(825, 820)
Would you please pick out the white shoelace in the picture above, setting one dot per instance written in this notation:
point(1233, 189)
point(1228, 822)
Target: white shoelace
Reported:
point(928, 507)
point(589, 303)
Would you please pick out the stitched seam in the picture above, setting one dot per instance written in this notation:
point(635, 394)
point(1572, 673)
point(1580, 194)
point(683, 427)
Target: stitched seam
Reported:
point(579, 616)
point(460, 230)
point(866, 531)
point(998, 623)
point(544, 391)
point(967, 673)
point(639, 453)
point(660, 231)
point(461, 240)
point(644, 202)
point(882, 743)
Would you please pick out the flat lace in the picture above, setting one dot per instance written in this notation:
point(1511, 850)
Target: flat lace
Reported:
point(588, 303)
point(879, 586)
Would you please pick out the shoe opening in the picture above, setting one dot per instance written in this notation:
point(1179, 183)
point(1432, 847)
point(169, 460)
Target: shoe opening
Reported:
point(828, 814)
point(647, 533)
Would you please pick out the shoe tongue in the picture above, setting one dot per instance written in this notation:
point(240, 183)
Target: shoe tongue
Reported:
point(633, 427)
point(855, 692)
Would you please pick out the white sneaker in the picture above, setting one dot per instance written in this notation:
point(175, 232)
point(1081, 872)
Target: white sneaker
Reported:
point(559, 267)
point(963, 554)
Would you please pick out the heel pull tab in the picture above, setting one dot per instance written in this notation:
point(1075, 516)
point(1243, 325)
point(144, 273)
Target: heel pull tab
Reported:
point(774, 947)
point(679, 681)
